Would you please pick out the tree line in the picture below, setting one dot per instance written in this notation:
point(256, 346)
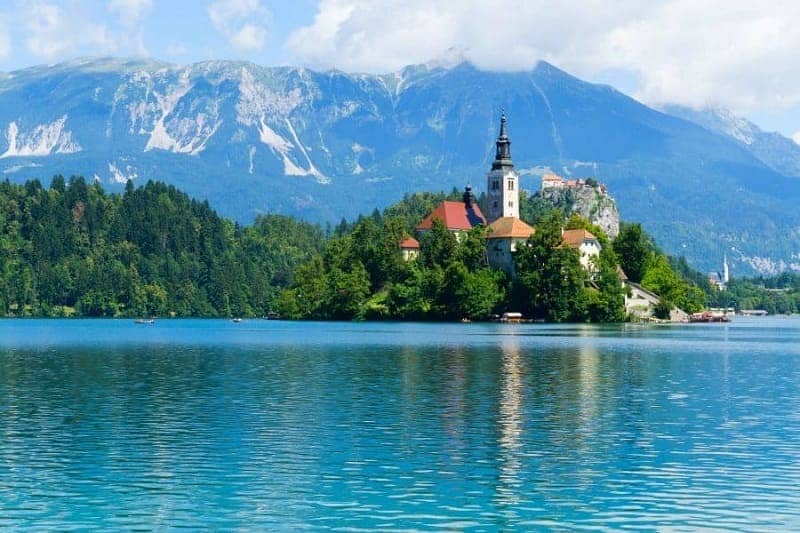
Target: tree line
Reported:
point(72, 249)
point(778, 294)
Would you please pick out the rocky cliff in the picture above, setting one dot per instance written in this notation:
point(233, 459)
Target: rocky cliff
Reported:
point(590, 200)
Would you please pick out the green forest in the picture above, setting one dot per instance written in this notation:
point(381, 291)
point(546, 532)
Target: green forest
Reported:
point(71, 249)
point(151, 251)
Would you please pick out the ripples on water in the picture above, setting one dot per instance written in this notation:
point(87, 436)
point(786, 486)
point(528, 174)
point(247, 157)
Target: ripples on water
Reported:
point(275, 425)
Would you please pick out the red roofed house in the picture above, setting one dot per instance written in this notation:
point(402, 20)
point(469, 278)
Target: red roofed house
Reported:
point(458, 217)
point(409, 247)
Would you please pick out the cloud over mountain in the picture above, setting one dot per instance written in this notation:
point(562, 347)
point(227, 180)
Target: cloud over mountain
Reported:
point(53, 32)
point(241, 22)
point(739, 54)
point(5, 39)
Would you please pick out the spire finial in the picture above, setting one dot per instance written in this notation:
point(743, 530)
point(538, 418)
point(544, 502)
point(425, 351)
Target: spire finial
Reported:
point(503, 144)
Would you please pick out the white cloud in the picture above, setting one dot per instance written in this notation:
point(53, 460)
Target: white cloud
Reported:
point(249, 37)
point(740, 54)
point(176, 49)
point(130, 12)
point(45, 26)
point(130, 15)
point(503, 34)
point(242, 22)
point(796, 137)
point(52, 33)
point(5, 39)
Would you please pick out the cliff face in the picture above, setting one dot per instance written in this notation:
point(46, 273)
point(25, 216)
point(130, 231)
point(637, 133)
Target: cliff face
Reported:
point(588, 201)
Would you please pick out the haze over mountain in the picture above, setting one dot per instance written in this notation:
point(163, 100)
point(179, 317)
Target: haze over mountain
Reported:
point(773, 149)
point(327, 145)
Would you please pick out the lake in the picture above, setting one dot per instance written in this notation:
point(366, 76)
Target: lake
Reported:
point(279, 425)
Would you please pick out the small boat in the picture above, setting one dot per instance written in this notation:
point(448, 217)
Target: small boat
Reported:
point(145, 321)
point(511, 317)
point(708, 316)
point(236, 320)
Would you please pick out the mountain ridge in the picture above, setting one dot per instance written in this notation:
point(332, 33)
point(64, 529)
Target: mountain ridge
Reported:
point(327, 145)
point(777, 151)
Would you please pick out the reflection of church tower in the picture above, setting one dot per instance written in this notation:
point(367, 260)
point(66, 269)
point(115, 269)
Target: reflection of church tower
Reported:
point(511, 423)
point(502, 189)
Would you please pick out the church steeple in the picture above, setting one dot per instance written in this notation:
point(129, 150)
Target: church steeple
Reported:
point(502, 156)
point(725, 274)
point(502, 188)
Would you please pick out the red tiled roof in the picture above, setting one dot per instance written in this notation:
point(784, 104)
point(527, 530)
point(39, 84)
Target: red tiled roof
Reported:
point(455, 215)
point(509, 228)
point(409, 242)
point(575, 237)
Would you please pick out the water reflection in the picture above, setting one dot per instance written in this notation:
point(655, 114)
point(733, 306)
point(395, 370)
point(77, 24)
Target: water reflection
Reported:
point(315, 426)
point(511, 422)
point(455, 408)
point(588, 365)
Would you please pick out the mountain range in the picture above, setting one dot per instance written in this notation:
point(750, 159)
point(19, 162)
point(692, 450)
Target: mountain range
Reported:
point(328, 145)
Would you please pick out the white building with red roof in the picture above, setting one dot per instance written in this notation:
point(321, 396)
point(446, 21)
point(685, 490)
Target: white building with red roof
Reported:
point(587, 245)
point(503, 236)
point(409, 248)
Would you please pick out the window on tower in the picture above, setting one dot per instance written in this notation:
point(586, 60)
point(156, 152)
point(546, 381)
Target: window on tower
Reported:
point(495, 185)
point(510, 185)
point(510, 203)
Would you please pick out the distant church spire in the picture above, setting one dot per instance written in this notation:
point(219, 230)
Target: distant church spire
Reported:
point(502, 157)
point(725, 274)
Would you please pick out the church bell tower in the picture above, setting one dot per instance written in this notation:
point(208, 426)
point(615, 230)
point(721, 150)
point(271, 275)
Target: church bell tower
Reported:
point(502, 188)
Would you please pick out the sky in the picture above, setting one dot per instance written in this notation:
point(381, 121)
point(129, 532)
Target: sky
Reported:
point(737, 54)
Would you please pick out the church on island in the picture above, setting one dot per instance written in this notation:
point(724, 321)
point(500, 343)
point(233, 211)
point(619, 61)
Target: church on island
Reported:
point(505, 230)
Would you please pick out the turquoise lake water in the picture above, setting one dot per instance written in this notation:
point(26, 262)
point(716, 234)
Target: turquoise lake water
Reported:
point(276, 425)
